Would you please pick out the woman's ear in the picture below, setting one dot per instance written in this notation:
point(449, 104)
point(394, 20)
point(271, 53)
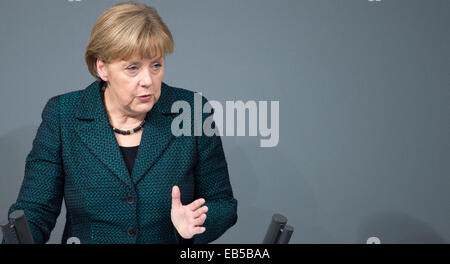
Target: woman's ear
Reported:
point(102, 70)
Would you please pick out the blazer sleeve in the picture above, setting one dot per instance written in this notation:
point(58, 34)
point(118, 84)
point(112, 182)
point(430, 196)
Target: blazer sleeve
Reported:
point(213, 184)
point(41, 193)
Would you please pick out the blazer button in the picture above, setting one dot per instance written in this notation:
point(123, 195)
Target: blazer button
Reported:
point(130, 199)
point(131, 231)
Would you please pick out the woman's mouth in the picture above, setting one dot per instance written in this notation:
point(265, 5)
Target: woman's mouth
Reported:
point(145, 98)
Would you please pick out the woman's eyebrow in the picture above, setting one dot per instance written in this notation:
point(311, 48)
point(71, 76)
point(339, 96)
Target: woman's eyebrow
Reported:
point(139, 62)
point(156, 60)
point(133, 62)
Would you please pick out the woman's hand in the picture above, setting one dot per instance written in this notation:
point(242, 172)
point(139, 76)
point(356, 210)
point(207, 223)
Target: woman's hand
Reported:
point(187, 219)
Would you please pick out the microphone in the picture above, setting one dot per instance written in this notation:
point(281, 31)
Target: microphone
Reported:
point(16, 230)
point(285, 235)
point(278, 232)
point(8, 232)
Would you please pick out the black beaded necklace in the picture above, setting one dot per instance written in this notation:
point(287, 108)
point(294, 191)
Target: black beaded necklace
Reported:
point(128, 132)
point(116, 130)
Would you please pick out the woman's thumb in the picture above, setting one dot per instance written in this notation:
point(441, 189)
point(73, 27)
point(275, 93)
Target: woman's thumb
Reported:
point(176, 201)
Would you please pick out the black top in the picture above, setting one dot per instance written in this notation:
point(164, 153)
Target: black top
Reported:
point(129, 155)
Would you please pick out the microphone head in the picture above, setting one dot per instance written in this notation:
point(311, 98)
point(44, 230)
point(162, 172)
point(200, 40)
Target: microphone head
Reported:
point(16, 214)
point(280, 219)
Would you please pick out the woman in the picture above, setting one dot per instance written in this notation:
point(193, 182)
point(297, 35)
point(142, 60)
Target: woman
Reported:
point(109, 152)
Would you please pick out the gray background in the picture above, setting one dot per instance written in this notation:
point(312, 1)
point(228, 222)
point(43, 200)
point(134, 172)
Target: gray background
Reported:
point(364, 105)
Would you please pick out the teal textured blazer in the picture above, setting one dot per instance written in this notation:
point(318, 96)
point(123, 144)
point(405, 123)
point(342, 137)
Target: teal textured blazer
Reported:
point(75, 156)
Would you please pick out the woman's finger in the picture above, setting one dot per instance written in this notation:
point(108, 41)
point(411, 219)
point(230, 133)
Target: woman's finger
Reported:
point(200, 220)
point(176, 201)
point(199, 229)
point(196, 204)
point(200, 211)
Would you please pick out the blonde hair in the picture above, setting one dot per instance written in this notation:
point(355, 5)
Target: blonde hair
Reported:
point(125, 30)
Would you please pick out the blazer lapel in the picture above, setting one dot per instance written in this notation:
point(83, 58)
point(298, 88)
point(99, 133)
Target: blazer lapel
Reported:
point(157, 134)
point(92, 126)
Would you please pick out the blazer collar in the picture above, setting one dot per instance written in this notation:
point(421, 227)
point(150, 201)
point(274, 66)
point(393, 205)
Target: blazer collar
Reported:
point(92, 126)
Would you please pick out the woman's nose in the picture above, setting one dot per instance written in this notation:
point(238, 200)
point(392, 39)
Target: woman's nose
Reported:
point(146, 78)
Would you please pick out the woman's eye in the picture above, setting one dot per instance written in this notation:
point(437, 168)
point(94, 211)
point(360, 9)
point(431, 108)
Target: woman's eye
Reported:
point(132, 68)
point(157, 66)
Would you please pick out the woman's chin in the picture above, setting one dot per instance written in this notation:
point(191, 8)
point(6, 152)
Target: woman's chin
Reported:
point(144, 108)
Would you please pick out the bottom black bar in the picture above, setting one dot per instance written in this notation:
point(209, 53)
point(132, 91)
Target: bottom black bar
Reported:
point(237, 253)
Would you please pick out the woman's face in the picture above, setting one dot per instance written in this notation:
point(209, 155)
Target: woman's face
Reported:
point(134, 85)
